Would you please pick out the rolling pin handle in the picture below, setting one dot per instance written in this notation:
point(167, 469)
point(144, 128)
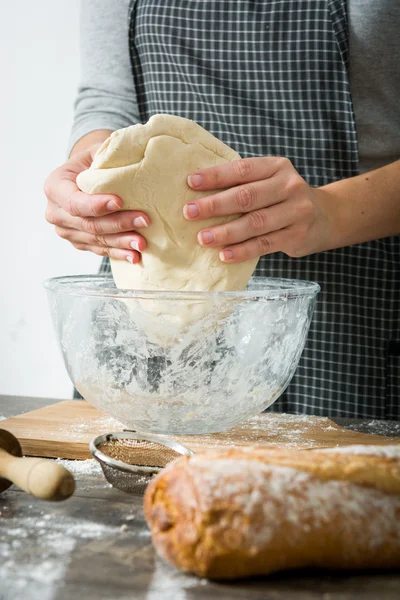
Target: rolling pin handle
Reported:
point(43, 479)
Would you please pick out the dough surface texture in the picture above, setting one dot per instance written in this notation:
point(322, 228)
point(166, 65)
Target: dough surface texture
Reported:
point(147, 166)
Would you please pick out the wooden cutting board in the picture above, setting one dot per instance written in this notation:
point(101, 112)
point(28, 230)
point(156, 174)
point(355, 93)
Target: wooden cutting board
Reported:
point(64, 430)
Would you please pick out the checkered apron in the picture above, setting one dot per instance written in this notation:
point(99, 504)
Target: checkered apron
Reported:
point(269, 77)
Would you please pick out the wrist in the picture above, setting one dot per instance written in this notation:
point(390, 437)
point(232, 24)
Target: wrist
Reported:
point(334, 218)
point(363, 208)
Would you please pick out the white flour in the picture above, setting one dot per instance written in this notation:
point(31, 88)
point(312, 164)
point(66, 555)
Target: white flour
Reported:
point(57, 536)
point(171, 585)
point(378, 427)
point(57, 530)
point(385, 451)
point(81, 468)
point(86, 473)
point(292, 431)
point(76, 430)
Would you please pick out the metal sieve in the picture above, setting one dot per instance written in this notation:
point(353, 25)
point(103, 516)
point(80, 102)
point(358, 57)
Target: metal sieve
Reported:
point(130, 460)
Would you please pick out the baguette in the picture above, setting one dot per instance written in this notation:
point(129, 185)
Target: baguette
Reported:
point(241, 513)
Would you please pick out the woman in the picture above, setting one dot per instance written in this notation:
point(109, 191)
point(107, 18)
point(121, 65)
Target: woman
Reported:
point(315, 82)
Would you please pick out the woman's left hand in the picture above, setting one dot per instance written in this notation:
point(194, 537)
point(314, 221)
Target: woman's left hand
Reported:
point(279, 211)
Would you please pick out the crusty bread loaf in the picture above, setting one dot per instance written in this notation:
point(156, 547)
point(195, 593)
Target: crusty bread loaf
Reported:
point(240, 513)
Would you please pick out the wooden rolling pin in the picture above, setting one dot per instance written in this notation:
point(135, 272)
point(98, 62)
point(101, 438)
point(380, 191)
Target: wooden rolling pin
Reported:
point(42, 478)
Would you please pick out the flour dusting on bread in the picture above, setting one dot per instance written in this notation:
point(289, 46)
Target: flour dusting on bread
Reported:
point(383, 451)
point(241, 513)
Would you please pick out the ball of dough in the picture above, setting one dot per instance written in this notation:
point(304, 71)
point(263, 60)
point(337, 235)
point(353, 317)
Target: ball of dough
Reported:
point(147, 167)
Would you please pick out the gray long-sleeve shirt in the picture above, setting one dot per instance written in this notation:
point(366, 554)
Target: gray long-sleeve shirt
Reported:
point(107, 100)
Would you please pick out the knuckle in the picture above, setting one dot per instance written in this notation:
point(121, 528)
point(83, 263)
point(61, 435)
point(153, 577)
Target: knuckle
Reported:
point(115, 254)
point(264, 244)
point(89, 225)
point(105, 251)
point(306, 206)
point(296, 248)
point(100, 240)
point(289, 186)
point(283, 162)
point(256, 221)
point(214, 175)
point(50, 216)
point(304, 210)
point(212, 205)
point(62, 232)
point(295, 252)
point(97, 250)
point(47, 188)
point(243, 167)
point(120, 224)
point(79, 246)
point(225, 235)
point(246, 198)
point(70, 206)
point(296, 184)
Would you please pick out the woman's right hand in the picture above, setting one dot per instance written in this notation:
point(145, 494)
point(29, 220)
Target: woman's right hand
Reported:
point(92, 222)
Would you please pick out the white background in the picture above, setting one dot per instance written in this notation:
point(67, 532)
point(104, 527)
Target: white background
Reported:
point(39, 75)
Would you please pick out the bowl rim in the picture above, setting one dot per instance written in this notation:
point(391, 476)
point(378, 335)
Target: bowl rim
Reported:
point(74, 285)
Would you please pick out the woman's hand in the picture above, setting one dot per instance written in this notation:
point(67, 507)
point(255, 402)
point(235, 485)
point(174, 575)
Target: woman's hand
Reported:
point(92, 222)
point(280, 212)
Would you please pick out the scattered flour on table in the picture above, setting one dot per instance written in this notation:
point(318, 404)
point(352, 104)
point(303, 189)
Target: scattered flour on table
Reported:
point(77, 428)
point(81, 467)
point(378, 427)
point(273, 429)
point(56, 529)
point(169, 584)
point(292, 431)
point(384, 451)
point(2, 418)
point(56, 537)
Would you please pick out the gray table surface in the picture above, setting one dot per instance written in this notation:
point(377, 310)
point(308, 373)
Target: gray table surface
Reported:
point(96, 546)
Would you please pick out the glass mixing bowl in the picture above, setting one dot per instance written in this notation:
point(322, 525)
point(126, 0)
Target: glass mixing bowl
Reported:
point(181, 362)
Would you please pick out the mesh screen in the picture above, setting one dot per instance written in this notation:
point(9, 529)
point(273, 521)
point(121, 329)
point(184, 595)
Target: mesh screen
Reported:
point(139, 452)
point(131, 483)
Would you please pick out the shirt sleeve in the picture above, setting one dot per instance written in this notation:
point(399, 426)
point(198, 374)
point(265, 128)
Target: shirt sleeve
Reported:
point(106, 97)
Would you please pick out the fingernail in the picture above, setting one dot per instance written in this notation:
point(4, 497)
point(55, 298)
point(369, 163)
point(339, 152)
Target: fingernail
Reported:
point(139, 222)
point(112, 205)
point(129, 258)
point(206, 237)
point(195, 180)
point(226, 255)
point(191, 210)
point(135, 245)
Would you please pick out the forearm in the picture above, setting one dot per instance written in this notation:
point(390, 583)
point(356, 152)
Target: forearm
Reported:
point(92, 138)
point(362, 208)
